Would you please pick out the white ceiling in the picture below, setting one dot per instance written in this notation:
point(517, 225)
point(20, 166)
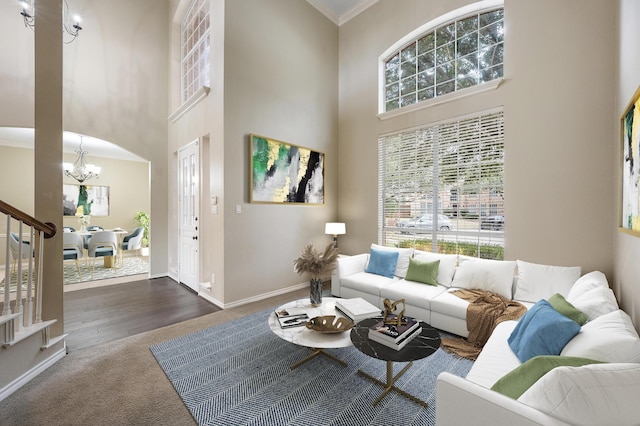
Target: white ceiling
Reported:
point(23, 138)
point(340, 11)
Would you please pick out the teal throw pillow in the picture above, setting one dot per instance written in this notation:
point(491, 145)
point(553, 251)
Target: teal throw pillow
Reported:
point(517, 381)
point(423, 272)
point(382, 262)
point(561, 305)
point(541, 331)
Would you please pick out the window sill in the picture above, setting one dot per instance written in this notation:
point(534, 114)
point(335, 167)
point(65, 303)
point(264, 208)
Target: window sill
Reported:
point(450, 97)
point(190, 103)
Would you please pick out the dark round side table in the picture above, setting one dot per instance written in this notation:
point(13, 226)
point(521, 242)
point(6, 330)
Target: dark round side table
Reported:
point(420, 347)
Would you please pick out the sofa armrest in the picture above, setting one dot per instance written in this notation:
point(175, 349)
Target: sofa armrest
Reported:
point(345, 266)
point(459, 401)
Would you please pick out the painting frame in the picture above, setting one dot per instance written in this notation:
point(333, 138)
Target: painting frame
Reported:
point(629, 211)
point(97, 199)
point(285, 173)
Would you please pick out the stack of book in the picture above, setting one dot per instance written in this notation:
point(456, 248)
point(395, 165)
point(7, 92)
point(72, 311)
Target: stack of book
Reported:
point(393, 336)
point(356, 309)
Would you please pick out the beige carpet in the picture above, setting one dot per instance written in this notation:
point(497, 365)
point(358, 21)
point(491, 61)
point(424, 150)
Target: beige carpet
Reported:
point(117, 383)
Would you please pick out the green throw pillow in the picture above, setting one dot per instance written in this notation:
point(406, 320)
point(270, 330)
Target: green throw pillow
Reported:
point(423, 272)
point(561, 305)
point(517, 381)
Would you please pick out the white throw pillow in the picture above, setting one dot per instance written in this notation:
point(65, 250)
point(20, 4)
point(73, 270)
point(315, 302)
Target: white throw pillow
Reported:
point(490, 275)
point(595, 394)
point(596, 302)
point(610, 338)
point(536, 281)
point(585, 283)
point(447, 266)
point(403, 258)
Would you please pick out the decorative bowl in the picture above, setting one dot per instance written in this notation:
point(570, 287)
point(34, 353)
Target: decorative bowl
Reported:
point(329, 324)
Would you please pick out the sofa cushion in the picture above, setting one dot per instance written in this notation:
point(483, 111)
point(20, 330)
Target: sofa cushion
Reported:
point(596, 394)
point(447, 303)
point(366, 283)
point(423, 272)
point(491, 275)
point(496, 358)
point(610, 337)
point(447, 266)
point(585, 283)
point(382, 262)
point(414, 293)
point(596, 302)
point(404, 254)
point(517, 381)
point(536, 281)
point(561, 305)
point(541, 331)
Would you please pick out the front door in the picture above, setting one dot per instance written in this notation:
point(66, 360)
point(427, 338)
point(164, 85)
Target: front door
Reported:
point(189, 187)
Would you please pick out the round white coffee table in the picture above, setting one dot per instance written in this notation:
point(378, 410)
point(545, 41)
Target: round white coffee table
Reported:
point(302, 336)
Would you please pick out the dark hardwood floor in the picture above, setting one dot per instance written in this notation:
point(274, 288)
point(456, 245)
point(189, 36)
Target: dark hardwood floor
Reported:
point(104, 314)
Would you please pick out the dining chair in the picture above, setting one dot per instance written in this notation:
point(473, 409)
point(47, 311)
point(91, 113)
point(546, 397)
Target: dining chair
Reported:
point(14, 247)
point(101, 244)
point(133, 241)
point(68, 229)
point(73, 248)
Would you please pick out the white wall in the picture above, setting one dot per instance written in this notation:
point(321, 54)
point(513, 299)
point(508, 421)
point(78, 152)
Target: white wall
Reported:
point(278, 79)
point(627, 268)
point(557, 98)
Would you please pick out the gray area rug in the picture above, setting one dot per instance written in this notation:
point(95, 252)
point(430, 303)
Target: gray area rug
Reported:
point(238, 373)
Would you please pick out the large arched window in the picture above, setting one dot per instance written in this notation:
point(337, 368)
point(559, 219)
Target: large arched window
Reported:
point(448, 55)
point(195, 50)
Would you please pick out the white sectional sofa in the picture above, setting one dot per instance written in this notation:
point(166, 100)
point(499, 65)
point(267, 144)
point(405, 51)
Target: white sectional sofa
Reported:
point(592, 394)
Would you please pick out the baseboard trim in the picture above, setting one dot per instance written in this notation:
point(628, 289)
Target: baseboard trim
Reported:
point(33, 372)
point(263, 296)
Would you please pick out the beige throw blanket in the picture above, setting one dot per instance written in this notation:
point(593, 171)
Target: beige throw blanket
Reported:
point(485, 311)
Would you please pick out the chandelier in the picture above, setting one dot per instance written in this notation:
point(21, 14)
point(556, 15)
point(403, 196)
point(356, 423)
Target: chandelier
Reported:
point(70, 24)
point(80, 170)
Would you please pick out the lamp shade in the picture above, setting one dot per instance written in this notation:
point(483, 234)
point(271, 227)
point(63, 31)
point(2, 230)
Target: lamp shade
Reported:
point(335, 228)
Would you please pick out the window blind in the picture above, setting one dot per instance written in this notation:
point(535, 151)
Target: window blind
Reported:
point(441, 187)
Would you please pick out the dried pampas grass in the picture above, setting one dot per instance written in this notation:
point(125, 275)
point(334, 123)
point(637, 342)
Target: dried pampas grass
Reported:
point(316, 264)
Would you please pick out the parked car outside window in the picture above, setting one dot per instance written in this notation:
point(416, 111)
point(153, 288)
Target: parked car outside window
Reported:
point(495, 223)
point(426, 222)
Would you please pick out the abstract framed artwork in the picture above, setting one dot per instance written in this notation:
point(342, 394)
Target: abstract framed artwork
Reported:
point(630, 130)
point(283, 173)
point(78, 200)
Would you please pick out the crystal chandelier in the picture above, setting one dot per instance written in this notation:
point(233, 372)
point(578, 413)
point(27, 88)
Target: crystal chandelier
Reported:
point(70, 24)
point(80, 170)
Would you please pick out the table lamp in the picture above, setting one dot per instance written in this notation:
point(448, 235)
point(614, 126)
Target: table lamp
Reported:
point(335, 229)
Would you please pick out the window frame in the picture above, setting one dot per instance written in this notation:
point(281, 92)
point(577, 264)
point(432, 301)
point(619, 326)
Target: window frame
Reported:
point(431, 26)
point(409, 186)
point(195, 50)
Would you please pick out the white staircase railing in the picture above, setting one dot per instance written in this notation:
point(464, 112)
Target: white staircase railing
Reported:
point(21, 314)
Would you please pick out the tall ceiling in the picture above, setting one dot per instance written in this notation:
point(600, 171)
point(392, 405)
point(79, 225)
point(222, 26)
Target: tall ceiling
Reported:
point(340, 11)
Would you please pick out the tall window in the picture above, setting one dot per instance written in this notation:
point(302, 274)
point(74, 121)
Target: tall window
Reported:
point(441, 187)
point(195, 48)
point(461, 53)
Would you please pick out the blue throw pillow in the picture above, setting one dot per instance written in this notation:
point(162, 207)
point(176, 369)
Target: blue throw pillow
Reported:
point(382, 262)
point(541, 331)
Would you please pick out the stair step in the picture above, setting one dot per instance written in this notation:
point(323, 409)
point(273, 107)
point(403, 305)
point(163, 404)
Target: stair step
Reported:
point(29, 331)
point(53, 341)
point(6, 318)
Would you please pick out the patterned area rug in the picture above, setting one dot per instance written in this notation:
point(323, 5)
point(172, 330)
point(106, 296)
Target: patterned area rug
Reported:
point(132, 266)
point(239, 373)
